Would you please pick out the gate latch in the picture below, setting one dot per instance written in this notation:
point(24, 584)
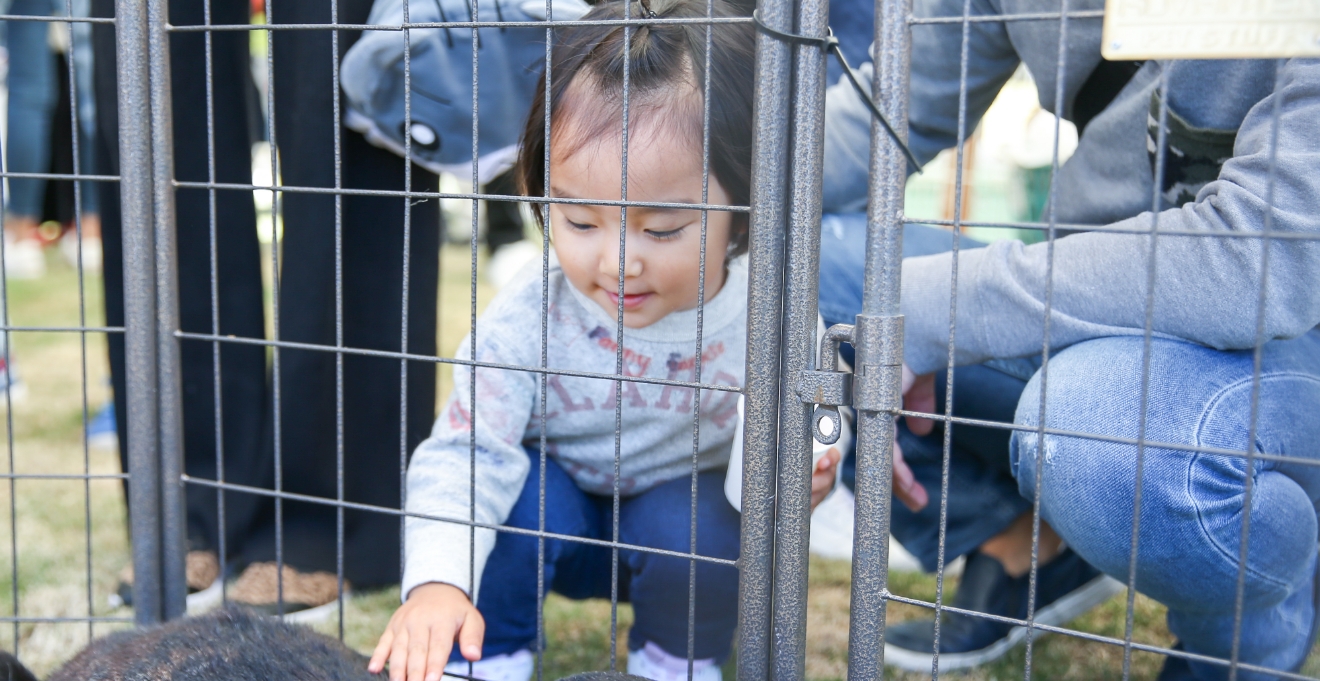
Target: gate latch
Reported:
point(827, 387)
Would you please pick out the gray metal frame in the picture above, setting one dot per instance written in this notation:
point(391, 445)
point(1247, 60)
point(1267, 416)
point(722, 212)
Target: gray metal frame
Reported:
point(785, 214)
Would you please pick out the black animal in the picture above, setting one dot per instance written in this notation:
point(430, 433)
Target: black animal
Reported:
point(231, 644)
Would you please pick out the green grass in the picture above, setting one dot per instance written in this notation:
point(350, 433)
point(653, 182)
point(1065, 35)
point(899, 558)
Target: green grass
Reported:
point(50, 525)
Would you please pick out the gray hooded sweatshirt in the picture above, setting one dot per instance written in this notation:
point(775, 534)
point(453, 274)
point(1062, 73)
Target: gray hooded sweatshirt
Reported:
point(1219, 152)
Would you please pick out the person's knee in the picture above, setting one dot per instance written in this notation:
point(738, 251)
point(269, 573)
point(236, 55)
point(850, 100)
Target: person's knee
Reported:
point(1190, 525)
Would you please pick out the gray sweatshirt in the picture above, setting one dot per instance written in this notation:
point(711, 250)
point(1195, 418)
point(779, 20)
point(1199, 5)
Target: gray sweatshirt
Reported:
point(657, 430)
point(1206, 289)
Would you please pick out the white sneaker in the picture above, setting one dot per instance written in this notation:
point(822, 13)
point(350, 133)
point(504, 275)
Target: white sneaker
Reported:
point(652, 662)
point(832, 535)
point(510, 667)
point(91, 252)
point(25, 260)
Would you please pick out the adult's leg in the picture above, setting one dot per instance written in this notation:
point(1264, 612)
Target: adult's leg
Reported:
point(31, 102)
point(1196, 507)
point(376, 439)
point(509, 595)
point(242, 368)
point(661, 518)
point(983, 497)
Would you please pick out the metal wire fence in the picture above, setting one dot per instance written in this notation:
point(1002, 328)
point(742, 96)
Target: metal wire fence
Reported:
point(73, 482)
point(784, 258)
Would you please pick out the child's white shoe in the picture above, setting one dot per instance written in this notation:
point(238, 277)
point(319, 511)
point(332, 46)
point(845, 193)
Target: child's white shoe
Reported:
point(510, 667)
point(652, 662)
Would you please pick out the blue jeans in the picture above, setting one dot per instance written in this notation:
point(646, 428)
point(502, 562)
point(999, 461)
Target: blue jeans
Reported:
point(657, 586)
point(32, 82)
point(32, 96)
point(1192, 503)
point(984, 498)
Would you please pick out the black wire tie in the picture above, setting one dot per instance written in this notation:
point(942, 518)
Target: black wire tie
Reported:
point(830, 44)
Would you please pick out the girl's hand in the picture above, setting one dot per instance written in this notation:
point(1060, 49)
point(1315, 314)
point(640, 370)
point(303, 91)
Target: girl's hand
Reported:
point(822, 478)
point(422, 632)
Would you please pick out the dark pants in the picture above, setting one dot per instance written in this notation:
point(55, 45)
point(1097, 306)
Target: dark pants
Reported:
point(376, 438)
point(983, 494)
point(657, 586)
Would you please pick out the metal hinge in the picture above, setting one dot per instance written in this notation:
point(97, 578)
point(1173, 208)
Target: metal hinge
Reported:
point(827, 387)
point(878, 384)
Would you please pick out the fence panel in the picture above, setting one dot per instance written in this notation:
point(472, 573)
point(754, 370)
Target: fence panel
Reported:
point(57, 488)
point(462, 38)
point(785, 359)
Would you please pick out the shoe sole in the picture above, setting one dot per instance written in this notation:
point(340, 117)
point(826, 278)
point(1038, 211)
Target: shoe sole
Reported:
point(206, 599)
point(1055, 614)
point(198, 602)
point(318, 614)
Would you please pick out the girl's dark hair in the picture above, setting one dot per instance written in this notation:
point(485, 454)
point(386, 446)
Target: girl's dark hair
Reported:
point(661, 56)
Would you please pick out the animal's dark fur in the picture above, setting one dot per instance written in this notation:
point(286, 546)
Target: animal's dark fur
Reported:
point(13, 670)
point(228, 644)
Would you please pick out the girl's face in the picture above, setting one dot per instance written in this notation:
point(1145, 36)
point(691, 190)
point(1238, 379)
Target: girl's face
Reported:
point(663, 246)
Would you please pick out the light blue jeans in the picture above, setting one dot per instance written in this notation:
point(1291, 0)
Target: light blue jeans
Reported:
point(32, 83)
point(32, 96)
point(1192, 503)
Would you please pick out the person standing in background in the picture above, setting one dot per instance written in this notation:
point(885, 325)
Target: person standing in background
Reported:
point(374, 228)
point(38, 55)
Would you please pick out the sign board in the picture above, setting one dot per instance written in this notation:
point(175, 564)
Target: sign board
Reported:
point(1211, 29)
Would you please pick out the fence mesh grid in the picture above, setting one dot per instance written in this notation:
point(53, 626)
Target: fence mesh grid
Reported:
point(409, 197)
point(1053, 229)
point(785, 215)
point(45, 479)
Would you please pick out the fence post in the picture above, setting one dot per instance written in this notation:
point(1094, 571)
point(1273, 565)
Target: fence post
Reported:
point(764, 309)
point(174, 585)
point(140, 343)
point(801, 285)
point(878, 341)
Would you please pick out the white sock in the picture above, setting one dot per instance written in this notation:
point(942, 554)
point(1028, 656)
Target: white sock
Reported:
point(509, 667)
point(652, 662)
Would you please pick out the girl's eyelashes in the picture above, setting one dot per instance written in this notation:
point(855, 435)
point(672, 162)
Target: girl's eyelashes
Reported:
point(661, 234)
point(666, 234)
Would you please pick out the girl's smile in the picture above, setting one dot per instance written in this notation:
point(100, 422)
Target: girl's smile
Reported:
point(631, 301)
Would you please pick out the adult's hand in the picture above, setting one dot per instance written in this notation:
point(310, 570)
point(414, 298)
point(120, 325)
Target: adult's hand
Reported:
point(823, 475)
point(918, 395)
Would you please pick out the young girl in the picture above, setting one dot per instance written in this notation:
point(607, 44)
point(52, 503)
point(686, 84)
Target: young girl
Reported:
point(445, 574)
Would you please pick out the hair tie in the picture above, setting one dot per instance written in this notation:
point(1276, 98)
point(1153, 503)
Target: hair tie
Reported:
point(650, 13)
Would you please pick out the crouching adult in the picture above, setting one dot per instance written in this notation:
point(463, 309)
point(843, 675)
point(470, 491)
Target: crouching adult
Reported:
point(1187, 397)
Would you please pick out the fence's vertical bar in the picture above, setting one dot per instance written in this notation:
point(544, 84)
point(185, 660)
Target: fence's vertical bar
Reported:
point(174, 586)
point(801, 284)
point(765, 305)
point(140, 341)
point(879, 345)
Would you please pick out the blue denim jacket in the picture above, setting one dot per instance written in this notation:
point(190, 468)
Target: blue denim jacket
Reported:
point(1207, 290)
point(509, 61)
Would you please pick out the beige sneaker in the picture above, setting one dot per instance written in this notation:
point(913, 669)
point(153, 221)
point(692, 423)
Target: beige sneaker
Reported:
point(307, 596)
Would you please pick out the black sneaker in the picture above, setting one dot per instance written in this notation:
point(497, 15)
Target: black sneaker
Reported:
point(1065, 588)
